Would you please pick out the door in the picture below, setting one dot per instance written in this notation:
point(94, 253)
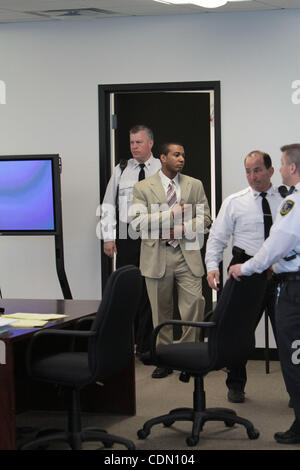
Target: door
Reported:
point(184, 114)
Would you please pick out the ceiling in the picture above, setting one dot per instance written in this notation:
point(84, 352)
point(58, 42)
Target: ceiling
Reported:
point(17, 11)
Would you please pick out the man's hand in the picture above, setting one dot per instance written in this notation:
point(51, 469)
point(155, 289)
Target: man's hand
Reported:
point(235, 271)
point(109, 249)
point(178, 210)
point(213, 279)
point(175, 233)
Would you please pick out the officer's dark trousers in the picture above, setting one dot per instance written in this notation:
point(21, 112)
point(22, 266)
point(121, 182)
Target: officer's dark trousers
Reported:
point(128, 252)
point(237, 376)
point(288, 339)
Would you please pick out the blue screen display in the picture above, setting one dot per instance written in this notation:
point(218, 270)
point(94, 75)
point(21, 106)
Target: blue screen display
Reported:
point(26, 195)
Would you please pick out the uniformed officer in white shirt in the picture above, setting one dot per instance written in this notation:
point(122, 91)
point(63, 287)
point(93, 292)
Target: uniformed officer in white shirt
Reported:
point(282, 251)
point(119, 192)
point(114, 217)
point(241, 218)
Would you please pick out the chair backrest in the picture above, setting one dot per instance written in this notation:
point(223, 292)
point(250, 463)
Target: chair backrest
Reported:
point(236, 316)
point(111, 349)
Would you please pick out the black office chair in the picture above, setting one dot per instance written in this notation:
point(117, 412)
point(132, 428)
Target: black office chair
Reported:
point(109, 351)
point(228, 343)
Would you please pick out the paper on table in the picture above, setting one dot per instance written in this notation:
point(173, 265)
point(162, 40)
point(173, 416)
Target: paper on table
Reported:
point(34, 316)
point(6, 322)
point(32, 320)
point(29, 323)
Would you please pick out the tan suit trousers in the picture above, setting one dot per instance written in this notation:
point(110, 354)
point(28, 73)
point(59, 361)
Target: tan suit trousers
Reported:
point(191, 302)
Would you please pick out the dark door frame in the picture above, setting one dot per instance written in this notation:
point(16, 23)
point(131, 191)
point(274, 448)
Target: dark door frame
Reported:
point(104, 93)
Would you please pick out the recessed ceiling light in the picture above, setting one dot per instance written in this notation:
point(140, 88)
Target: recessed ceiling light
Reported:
point(199, 3)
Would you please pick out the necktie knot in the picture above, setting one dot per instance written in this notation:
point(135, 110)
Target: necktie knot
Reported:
point(291, 190)
point(263, 195)
point(142, 171)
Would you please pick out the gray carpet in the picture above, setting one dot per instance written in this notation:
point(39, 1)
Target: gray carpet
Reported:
point(266, 405)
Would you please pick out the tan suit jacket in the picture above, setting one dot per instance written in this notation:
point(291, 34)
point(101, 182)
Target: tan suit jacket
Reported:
point(151, 192)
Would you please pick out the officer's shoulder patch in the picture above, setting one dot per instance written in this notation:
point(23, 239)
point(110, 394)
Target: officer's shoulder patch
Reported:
point(287, 207)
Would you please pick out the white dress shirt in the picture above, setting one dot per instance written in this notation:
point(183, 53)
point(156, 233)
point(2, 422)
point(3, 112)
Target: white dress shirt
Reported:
point(166, 181)
point(240, 217)
point(283, 242)
point(126, 181)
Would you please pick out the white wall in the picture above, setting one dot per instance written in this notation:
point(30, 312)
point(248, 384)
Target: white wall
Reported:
point(52, 70)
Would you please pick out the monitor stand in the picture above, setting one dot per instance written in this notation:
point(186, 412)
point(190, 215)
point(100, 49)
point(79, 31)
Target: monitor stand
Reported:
point(60, 267)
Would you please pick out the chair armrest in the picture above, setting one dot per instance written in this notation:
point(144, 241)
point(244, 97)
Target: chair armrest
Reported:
point(199, 324)
point(55, 332)
point(175, 322)
point(83, 323)
point(61, 332)
point(82, 320)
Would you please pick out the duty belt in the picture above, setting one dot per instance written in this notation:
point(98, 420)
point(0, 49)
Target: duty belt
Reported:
point(281, 277)
point(239, 255)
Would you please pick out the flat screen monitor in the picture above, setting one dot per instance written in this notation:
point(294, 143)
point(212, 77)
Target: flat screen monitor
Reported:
point(30, 198)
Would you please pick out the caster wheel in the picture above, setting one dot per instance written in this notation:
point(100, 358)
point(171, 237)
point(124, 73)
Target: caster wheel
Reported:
point(107, 445)
point(253, 434)
point(142, 434)
point(192, 441)
point(229, 424)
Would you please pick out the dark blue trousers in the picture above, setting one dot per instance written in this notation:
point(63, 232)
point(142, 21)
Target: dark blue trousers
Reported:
point(288, 339)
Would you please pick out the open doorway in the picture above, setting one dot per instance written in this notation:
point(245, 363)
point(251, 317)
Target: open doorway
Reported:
point(186, 112)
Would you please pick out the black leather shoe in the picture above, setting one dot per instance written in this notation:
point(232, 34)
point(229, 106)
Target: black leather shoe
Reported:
point(161, 372)
point(287, 437)
point(236, 396)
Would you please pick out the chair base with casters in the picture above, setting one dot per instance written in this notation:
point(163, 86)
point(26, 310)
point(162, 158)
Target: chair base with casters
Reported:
point(75, 435)
point(199, 414)
point(106, 351)
point(224, 341)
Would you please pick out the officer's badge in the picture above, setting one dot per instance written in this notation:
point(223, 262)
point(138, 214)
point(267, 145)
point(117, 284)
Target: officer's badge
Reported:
point(287, 207)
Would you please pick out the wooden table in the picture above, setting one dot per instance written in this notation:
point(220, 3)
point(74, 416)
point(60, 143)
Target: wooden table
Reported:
point(19, 393)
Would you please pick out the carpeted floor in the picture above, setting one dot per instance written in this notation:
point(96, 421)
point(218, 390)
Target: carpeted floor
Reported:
point(266, 405)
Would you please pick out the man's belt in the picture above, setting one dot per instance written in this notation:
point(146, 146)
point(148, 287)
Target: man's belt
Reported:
point(281, 277)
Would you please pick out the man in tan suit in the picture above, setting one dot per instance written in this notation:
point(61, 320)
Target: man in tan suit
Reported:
point(170, 211)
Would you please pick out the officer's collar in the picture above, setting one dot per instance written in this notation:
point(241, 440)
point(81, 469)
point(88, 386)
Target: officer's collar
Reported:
point(147, 162)
point(297, 186)
point(256, 194)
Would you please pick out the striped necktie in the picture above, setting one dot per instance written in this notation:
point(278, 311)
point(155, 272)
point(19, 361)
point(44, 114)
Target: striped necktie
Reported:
point(172, 199)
